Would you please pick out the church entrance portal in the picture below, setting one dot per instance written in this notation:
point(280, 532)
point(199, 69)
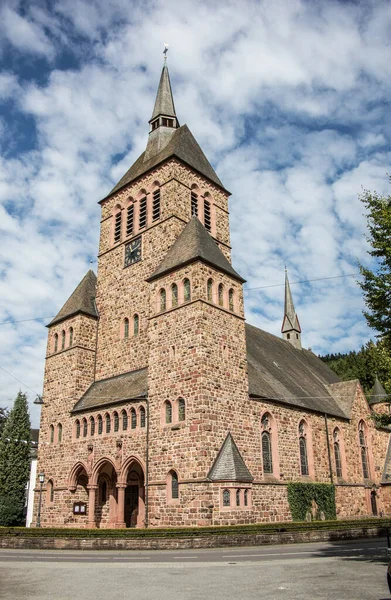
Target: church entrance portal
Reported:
point(131, 505)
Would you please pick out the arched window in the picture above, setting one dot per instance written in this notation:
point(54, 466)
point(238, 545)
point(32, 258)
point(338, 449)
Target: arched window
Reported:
point(129, 220)
point(51, 434)
point(246, 497)
point(77, 429)
point(142, 218)
point(71, 336)
point(103, 492)
point(237, 497)
point(126, 328)
point(84, 427)
point(55, 342)
point(186, 290)
point(267, 458)
point(59, 433)
point(135, 325)
point(116, 421)
point(181, 410)
point(337, 453)
point(117, 226)
point(303, 448)
point(92, 426)
point(194, 204)
point(363, 449)
point(163, 300)
point(156, 205)
point(207, 216)
point(174, 486)
point(108, 423)
point(210, 290)
point(168, 411)
point(174, 295)
point(124, 420)
point(100, 425)
point(50, 491)
point(221, 294)
point(226, 498)
point(63, 335)
point(231, 300)
point(133, 419)
point(142, 416)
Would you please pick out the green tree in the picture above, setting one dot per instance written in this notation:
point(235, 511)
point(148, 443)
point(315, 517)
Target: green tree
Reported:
point(3, 417)
point(376, 283)
point(15, 462)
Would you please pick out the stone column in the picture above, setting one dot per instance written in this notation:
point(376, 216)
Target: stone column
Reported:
point(141, 507)
point(91, 524)
point(121, 487)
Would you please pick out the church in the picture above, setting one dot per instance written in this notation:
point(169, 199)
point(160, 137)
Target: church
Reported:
point(162, 407)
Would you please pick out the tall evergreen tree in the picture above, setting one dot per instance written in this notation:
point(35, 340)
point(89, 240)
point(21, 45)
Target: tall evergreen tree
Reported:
point(3, 417)
point(376, 284)
point(15, 462)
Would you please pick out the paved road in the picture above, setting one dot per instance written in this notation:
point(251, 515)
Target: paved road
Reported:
point(330, 571)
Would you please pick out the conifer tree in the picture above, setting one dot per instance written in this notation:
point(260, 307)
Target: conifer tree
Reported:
point(15, 462)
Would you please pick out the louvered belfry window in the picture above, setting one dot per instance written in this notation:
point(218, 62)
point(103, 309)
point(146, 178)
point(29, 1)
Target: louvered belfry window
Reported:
point(117, 227)
point(207, 217)
point(130, 220)
point(143, 213)
point(156, 205)
point(267, 452)
point(194, 204)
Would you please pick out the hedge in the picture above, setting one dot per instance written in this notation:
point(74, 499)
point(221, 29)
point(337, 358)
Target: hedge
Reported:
point(185, 532)
point(301, 497)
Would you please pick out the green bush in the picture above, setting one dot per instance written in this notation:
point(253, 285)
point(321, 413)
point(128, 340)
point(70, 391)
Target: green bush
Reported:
point(11, 511)
point(301, 497)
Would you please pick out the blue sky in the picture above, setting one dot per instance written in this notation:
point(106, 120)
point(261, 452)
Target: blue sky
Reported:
point(289, 100)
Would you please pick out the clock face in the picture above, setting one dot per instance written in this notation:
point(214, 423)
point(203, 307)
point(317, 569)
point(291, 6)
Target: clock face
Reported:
point(133, 252)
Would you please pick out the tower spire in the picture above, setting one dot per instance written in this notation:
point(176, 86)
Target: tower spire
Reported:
point(164, 121)
point(291, 330)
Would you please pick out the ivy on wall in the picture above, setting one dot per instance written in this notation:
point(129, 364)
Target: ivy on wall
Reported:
point(311, 500)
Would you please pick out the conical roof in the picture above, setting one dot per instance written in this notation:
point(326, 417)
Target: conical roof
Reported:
point(81, 301)
point(290, 320)
point(378, 393)
point(164, 103)
point(194, 243)
point(229, 464)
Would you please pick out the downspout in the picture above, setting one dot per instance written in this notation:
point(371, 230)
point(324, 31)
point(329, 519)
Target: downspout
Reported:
point(328, 448)
point(96, 339)
point(147, 468)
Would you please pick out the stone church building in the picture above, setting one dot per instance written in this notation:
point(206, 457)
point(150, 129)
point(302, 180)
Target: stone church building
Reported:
point(162, 406)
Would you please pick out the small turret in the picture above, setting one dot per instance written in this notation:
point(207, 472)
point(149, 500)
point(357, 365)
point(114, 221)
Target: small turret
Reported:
point(291, 330)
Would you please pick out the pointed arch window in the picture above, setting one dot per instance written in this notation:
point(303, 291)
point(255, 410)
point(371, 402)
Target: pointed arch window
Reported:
point(92, 426)
point(194, 204)
point(174, 295)
point(126, 328)
point(108, 423)
point(304, 470)
point(163, 300)
point(142, 416)
point(116, 421)
point(63, 335)
point(181, 410)
point(133, 419)
point(142, 222)
point(337, 452)
point(186, 290)
point(156, 205)
point(207, 216)
point(50, 491)
point(221, 294)
point(51, 434)
point(117, 226)
point(168, 411)
point(77, 429)
point(174, 486)
point(136, 321)
point(85, 427)
point(363, 449)
point(100, 425)
point(231, 304)
point(267, 459)
point(210, 290)
point(59, 433)
point(237, 497)
point(124, 420)
point(130, 220)
point(226, 498)
point(246, 497)
point(71, 336)
point(56, 342)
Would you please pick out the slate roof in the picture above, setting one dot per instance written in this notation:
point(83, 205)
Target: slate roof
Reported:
point(183, 146)
point(278, 371)
point(229, 464)
point(378, 393)
point(164, 103)
point(194, 243)
point(82, 300)
point(127, 386)
point(344, 393)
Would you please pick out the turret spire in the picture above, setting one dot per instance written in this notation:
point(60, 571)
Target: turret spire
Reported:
point(291, 330)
